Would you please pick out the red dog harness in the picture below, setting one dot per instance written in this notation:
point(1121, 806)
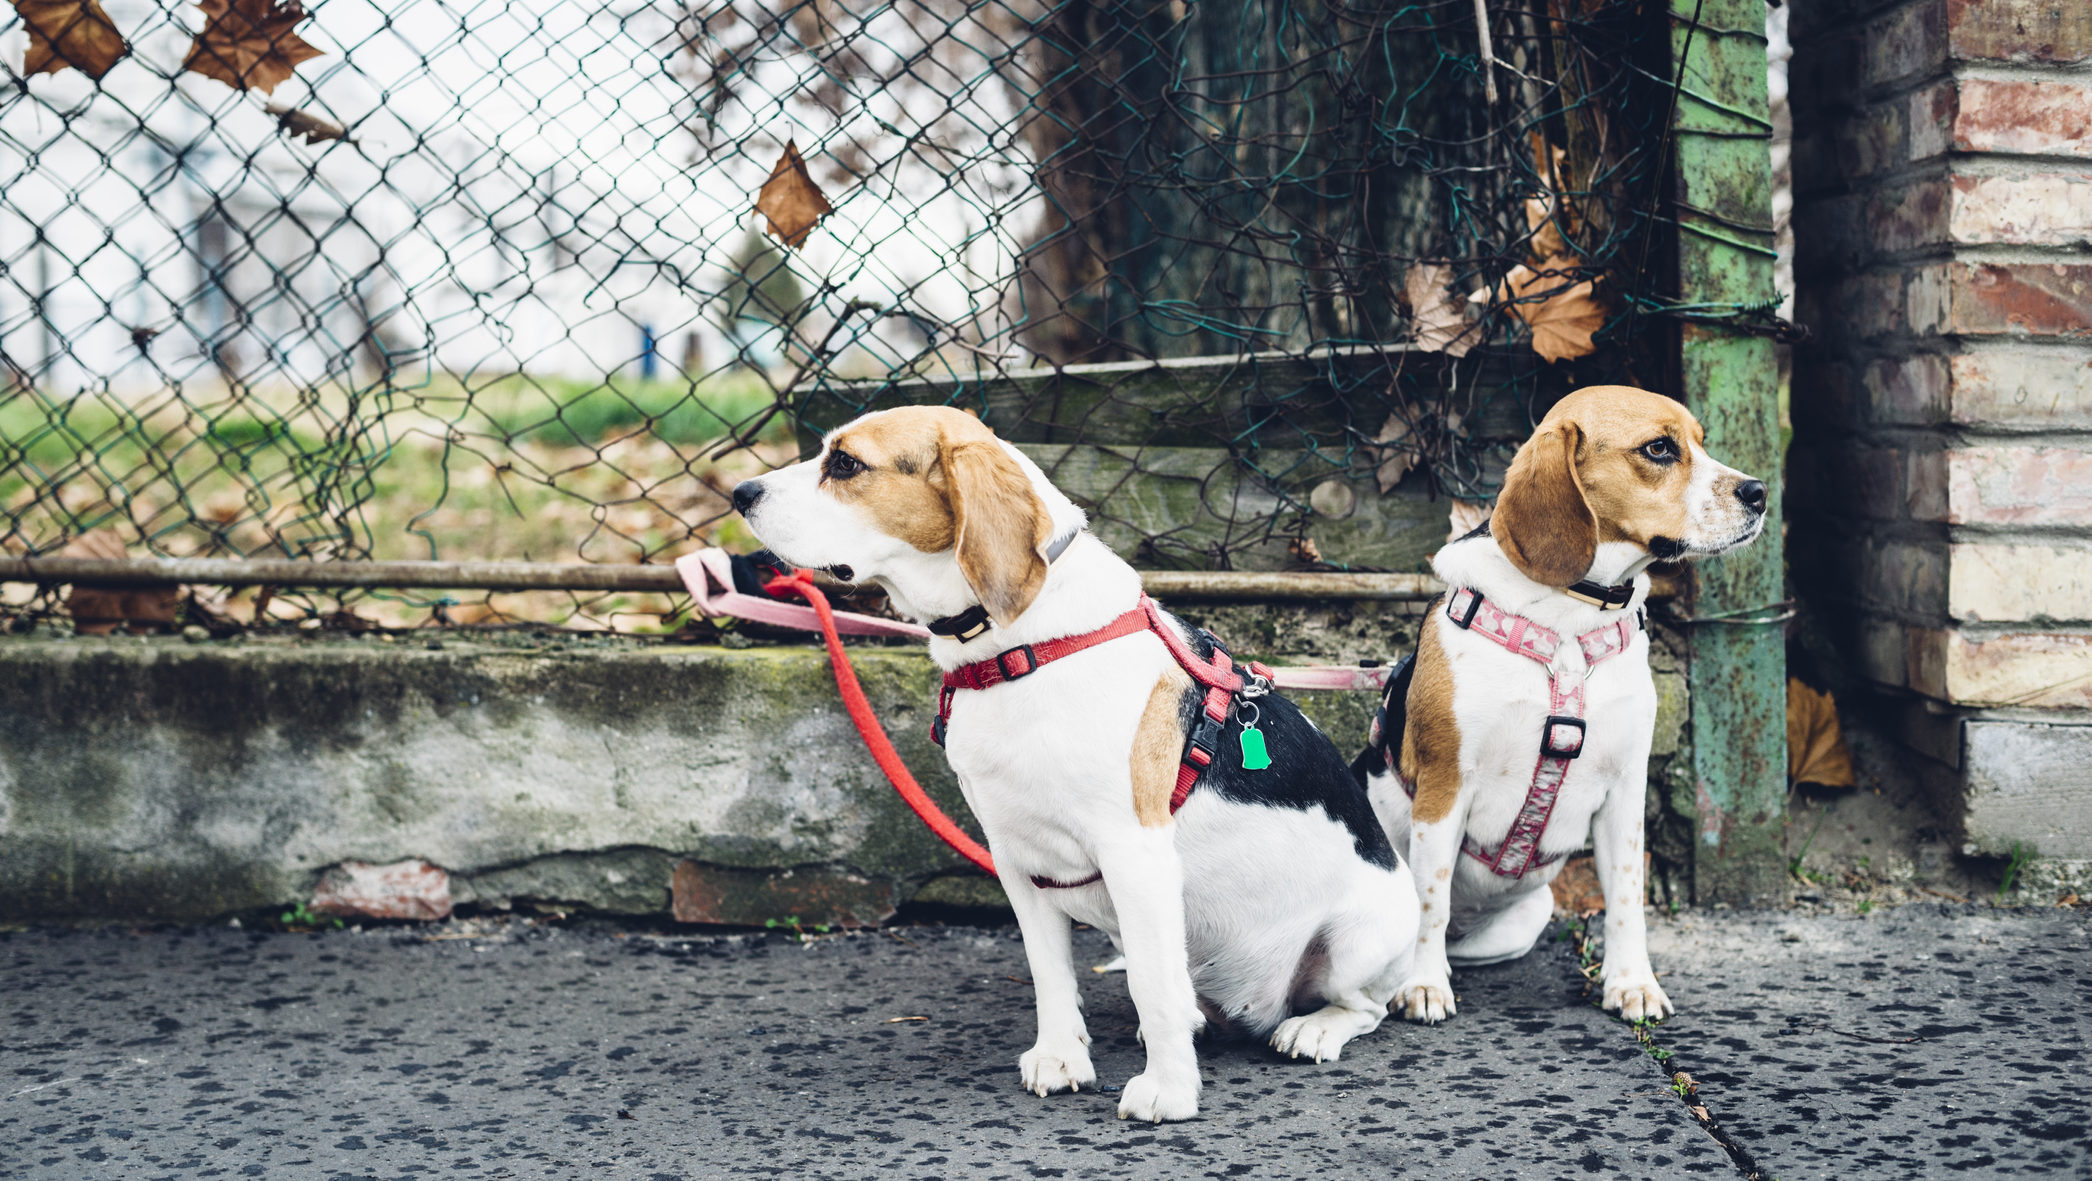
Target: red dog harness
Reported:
point(1561, 736)
point(1219, 675)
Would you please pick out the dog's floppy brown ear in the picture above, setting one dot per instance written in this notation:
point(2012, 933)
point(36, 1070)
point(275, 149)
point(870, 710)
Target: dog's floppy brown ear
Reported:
point(1546, 527)
point(1000, 523)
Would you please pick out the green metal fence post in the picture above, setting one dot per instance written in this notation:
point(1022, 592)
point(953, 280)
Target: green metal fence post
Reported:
point(1724, 187)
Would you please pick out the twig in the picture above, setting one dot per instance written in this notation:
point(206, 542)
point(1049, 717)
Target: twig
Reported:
point(1488, 53)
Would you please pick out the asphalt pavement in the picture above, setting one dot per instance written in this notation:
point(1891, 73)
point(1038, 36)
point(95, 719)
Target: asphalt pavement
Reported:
point(1925, 1041)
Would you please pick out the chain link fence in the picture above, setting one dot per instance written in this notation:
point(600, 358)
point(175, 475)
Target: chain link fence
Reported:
point(1272, 284)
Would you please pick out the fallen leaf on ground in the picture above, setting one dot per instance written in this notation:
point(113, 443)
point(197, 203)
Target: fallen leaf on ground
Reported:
point(1395, 461)
point(1439, 321)
point(790, 199)
point(248, 44)
point(296, 122)
point(101, 610)
point(1304, 550)
point(74, 33)
point(1561, 314)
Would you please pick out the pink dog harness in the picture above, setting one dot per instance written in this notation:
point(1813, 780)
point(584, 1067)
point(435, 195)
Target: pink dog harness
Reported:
point(1561, 736)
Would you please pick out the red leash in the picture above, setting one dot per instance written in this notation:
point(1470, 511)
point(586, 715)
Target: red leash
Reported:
point(869, 729)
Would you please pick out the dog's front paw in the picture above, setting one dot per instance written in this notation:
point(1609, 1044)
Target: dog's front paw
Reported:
point(1319, 1036)
point(1637, 996)
point(1426, 999)
point(1153, 1100)
point(1051, 1068)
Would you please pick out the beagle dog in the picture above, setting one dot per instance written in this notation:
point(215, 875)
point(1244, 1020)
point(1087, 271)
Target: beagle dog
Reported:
point(1521, 726)
point(1244, 875)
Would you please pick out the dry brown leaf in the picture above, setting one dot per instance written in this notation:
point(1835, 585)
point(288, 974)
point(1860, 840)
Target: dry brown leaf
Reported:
point(1561, 315)
point(791, 200)
point(100, 610)
point(1549, 213)
point(248, 44)
point(315, 129)
point(1464, 517)
point(1440, 321)
point(1395, 461)
point(74, 33)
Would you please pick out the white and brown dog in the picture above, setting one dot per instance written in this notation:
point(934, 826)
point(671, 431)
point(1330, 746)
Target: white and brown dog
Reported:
point(1239, 895)
point(1522, 726)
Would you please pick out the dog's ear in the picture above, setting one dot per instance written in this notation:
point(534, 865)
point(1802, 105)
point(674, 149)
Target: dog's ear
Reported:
point(1000, 523)
point(1546, 527)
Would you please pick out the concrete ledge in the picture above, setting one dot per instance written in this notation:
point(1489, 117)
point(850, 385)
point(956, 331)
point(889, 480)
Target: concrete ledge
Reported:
point(161, 780)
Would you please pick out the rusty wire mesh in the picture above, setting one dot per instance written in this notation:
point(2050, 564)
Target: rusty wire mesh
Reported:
point(486, 280)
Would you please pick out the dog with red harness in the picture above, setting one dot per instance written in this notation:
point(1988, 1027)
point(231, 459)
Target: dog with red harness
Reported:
point(1521, 727)
point(1128, 772)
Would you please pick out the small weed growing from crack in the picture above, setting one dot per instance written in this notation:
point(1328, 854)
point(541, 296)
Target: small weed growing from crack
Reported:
point(1865, 906)
point(299, 918)
point(2020, 857)
point(797, 929)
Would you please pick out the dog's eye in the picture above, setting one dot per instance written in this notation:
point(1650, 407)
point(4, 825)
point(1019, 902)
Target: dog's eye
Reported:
point(841, 465)
point(1661, 450)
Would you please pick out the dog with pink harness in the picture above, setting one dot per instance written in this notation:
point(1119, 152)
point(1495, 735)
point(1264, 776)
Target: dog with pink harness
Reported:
point(1521, 727)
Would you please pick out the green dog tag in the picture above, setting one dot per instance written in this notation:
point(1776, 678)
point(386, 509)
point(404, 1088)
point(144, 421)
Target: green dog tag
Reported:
point(1254, 756)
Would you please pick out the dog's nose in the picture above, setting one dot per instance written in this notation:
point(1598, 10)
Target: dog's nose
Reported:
point(747, 492)
point(1750, 492)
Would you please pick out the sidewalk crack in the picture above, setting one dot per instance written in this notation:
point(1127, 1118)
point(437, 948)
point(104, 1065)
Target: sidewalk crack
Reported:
point(1679, 1083)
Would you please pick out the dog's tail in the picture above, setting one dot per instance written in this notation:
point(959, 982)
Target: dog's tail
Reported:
point(1384, 741)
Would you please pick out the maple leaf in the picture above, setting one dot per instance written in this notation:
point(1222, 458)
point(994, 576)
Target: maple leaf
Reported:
point(790, 199)
point(74, 33)
point(1439, 321)
point(1561, 314)
point(248, 44)
point(315, 129)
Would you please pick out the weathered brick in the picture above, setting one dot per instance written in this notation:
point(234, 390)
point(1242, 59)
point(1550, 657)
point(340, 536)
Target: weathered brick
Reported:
point(1905, 576)
point(2046, 118)
point(702, 893)
point(2036, 299)
point(2031, 670)
point(2019, 30)
point(2002, 583)
point(1929, 115)
point(1909, 42)
point(1911, 390)
point(1884, 652)
point(1908, 217)
point(1926, 491)
point(1927, 300)
point(2002, 485)
point(2021, 387)
point(412, 890)
point(1867, 479)
point(1820, 75)
point(2023, 209)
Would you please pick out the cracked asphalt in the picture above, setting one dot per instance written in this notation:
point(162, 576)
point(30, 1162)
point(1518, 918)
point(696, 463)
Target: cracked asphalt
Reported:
point(1924, 1041)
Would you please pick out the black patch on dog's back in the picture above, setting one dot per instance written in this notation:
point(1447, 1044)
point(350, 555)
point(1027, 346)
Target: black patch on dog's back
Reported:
point(1306, 771)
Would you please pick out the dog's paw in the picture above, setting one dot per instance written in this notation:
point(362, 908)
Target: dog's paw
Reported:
point(1637, 997)
point(1151, 1100)
point(1319, 1036)
point(1429, 1000)
point(1048, 1069)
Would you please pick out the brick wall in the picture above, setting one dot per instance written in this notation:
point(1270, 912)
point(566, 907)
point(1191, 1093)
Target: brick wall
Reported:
point(1941, 472)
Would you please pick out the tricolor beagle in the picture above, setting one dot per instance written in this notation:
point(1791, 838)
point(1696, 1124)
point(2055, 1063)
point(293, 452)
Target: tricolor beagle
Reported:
point(1243, 874)
point(1522, 725)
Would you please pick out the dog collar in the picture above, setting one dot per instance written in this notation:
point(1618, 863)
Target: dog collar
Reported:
point(1605, 598)
point(970, 623)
